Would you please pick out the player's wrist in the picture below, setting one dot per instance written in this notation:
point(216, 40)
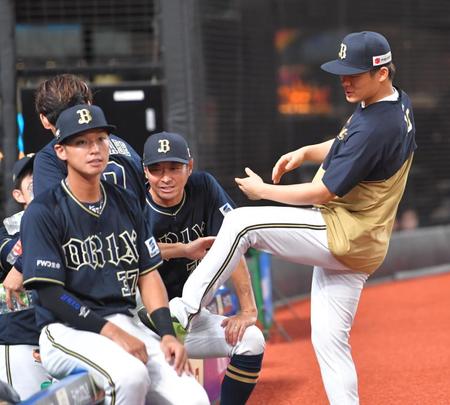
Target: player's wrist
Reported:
point(163, 322)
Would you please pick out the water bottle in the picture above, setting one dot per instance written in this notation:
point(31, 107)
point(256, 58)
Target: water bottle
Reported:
point(25, 296)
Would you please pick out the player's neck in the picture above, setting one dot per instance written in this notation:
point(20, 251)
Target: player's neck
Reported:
point(85, 189)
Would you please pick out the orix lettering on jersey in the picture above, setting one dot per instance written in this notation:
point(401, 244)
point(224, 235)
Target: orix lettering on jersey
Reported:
point(95, 252)
point(186, 235)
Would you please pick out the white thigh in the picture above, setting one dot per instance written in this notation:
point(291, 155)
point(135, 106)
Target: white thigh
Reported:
point(166, 386)
point(64, 349)
point(19, 369)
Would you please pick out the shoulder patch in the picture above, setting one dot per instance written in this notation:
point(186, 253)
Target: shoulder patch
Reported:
point(225, 208)
point(152, 246)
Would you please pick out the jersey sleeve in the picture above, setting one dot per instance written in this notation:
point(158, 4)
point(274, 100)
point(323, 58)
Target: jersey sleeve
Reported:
point(7, 242)
point(149, 253)
point(43, 259)
point(351, 163)
point(48, 171)
point(219, 203)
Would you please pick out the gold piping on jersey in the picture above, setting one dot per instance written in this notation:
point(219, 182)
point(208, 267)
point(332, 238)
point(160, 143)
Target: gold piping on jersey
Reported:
point(170, 214)
point(1, 247)
point(8, 366)
point(236, 242)
point(67, 190)
point(47, 280)
point(153, 268)
point(85, 360)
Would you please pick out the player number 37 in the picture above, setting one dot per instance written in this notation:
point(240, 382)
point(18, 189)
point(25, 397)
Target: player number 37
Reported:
point(129, 280)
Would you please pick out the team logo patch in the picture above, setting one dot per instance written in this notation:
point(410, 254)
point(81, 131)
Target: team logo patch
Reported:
point(381, 59)
point(164, 146)
point(225, 208)
point(85, 116)
point(152, 246)
point(342, 51)
point(47, 264)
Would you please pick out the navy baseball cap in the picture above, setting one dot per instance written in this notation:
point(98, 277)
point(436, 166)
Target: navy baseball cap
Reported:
point(22, 164)
point(360, 52)
point(81, 118)
point(166, 147)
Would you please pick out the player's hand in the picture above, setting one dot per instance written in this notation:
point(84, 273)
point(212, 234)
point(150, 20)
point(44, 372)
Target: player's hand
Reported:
point(286, 163)
point(175, 354)
point(129, 343)
point(236, 325)
point(13, 284)
point(197, 249)
point(251, 185)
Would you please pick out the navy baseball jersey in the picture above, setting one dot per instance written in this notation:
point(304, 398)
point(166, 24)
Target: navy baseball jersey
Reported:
point(97, 256)
point(124, 168)
point(16, 328)
point(369, 148)
point(199, 214)
point(367, 168)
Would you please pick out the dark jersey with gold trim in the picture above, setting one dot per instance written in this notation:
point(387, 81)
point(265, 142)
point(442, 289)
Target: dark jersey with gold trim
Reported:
point(199, 214)
point(16, 328)
point(124, 168)
point(98, 257)
point(372, 146)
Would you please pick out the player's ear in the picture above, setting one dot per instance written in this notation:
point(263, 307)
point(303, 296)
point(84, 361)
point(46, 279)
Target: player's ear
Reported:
point(191, 165)
point(60, 151)
point(46, 123)
point(18, 196)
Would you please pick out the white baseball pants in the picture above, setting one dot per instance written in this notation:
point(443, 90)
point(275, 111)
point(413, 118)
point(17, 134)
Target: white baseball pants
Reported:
point(19, 369)
point(125, 379)
point(298, 235)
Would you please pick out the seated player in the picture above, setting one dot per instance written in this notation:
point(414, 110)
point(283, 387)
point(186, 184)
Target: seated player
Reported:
point(186, 210)
point(19, 335)
point(86, 250)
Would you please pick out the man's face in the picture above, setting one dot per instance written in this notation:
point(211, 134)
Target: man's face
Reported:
point(362, 87)
point(86, 153)
point(167, 181)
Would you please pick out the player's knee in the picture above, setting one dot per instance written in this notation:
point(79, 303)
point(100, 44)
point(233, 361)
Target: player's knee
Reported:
point(252, 342)
point(326, 338)
point(188, 391)
point(132, 378)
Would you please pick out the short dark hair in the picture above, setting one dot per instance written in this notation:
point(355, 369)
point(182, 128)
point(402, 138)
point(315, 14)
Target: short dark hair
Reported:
point(391, 68)
point(59, 93)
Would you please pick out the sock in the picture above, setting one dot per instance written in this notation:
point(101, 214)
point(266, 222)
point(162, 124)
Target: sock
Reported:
point(240, 379)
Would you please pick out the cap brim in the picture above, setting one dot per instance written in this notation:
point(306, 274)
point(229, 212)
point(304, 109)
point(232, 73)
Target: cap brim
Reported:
point(149, 162)
point(338, 67)
point(108, 128)
point(24, 164)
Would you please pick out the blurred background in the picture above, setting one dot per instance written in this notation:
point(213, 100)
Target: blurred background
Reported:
point(241, 80)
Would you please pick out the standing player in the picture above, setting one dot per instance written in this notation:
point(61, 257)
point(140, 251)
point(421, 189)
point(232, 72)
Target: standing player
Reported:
point(356, 193)
point(185, 211)
point(19, 336)
point(87, 249)
point(124, 166)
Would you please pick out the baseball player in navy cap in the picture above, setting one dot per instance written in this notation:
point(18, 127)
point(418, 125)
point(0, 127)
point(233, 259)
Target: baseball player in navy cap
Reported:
point(355, 193)
point(186, 210)
point(86, 250)
point(19, 335)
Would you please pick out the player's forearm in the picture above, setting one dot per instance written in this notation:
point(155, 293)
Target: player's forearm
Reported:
point(317, 153)
point(172, 250)
point(296, 194)
point(153, 292)
point(243, 286)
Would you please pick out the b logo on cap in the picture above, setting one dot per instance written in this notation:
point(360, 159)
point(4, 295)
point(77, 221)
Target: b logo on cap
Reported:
point(164, 146)
point(343, 51)
point(85, 116)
